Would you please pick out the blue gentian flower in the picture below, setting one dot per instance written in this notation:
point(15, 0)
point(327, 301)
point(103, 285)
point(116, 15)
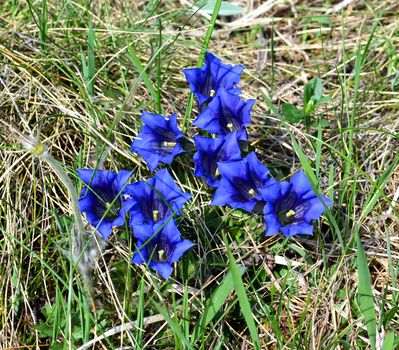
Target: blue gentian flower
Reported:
point(160, 247)
point(206, 81)
point(102, 198)
point(155, 200)
point(241, 183)
point(211, 151)
point(159, 139)
point(226, 113)
point(290, 207)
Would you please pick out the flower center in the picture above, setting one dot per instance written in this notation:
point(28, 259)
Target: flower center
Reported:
point(160, 251)
point(155, 215)
point(112, 209)
point(290, 213)
point(161, 255)
point(169, 144)
point(230, 126)
point(212, 93)
point(286, 217)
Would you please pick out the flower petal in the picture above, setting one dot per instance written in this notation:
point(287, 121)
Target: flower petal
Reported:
point(301, 228)
point(180, 249)
point(272, 223)
point(317, 208)
point(300, 183)
point(163, 268)
point(105, 228)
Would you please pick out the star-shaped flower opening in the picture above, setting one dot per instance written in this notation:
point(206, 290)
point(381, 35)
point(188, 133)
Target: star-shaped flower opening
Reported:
point(210, 151)
point(241, 183)
point(160, 247)
point(226, 113)
point(155, 200)
point(290, 207)
point(206, 81)
point(159, 140)
point(102, 198)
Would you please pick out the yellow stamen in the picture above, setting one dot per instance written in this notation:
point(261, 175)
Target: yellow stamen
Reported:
point(212, 93)
point(217, 172)
point(155, 215)
point(169, 144)
point(251, 191)
point(290, 213)
point(161, 254)
point(38, 149)
point(230, 126)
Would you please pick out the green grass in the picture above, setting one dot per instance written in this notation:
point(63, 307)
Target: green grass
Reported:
point(78, 73)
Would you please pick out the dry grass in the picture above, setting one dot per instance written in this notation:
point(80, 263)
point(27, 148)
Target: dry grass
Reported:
point(303, 291)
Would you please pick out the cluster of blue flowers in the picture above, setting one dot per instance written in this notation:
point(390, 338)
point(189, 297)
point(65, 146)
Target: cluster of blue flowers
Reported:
point(240, 182)
point(243, 183)
point(152, 206)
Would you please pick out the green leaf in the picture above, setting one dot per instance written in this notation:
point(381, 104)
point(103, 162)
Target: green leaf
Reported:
point(324, 99)
point(226, 9)
point(323, 20)
point(314, 88)
point(366, 298)
point(291, 113)
point(323, 123)
point(44, 330)
point(77, 332)
point(389, 315)
point(57, 346)
point(216, 302)
point(388, 341)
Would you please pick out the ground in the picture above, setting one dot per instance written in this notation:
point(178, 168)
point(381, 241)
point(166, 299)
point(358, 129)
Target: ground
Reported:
point(76, 76)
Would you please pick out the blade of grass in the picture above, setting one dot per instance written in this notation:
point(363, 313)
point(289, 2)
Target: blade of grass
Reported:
point(388, 341)
point(139, 330)
point(216, 302)
point(365, 294)
point(91, 42)
point(143, 74)
point(243, 299)
point(43, 27)
point(173, 325)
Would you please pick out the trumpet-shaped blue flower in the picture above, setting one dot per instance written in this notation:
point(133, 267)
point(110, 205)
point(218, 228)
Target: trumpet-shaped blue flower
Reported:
point(159, 139)
point(290, 207)
point(241, 183)
point(211, 151)
point(102, 198)
point(206, 81)
point(155, 200)
point(226, 113)
point(160, 247)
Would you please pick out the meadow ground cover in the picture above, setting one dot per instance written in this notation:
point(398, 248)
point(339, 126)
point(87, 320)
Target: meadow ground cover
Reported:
point(165, 166)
